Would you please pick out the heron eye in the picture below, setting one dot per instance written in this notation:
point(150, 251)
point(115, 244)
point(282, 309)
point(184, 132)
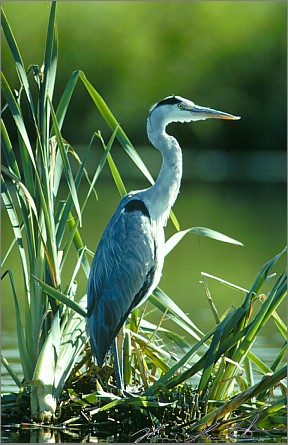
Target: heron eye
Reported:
point(180, 106)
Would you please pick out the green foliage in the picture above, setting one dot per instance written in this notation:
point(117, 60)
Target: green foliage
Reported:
point(225, 394)
point(147, 62)
point(46, 227)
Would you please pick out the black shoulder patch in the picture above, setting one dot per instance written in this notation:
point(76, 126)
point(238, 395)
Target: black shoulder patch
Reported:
point(170, 100)
point(137, 204)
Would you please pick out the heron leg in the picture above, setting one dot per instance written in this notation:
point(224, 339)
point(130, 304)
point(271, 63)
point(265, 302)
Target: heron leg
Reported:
point(118, 356)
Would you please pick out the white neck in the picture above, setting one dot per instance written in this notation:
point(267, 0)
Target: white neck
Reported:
point(162, 195)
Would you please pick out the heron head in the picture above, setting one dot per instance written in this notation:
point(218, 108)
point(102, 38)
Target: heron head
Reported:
point(178, 109)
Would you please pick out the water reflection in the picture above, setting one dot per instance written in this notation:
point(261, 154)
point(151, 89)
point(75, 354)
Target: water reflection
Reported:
point(38, 434)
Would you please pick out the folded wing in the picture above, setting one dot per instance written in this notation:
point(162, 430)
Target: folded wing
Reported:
point(122, 273)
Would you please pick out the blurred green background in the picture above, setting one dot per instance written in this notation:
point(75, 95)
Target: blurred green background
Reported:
point(226, 55)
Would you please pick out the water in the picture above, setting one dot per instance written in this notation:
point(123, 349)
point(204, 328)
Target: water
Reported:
point(252, 213)
point(39, 434)
point(9, 349)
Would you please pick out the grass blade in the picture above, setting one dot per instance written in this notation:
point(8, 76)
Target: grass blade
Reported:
point(18, 60)
point(265, 272)
point(50, 58)
point(73, 341)
point(61, 297)
point(12, 373)
point(17, 115)
point(78, 243)
point(172, 377)
point(238, 400)
point(162, 301)
point(66, 165)
point(176, 238)
point(277, 320)
point(65, 100)
point(226, 283)
point(112, 122)
point(26, 362)
point(8, 151)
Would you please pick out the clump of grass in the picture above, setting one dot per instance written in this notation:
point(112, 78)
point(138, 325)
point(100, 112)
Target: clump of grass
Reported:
point(224, 400)
point(51, 331)
point(45, 226)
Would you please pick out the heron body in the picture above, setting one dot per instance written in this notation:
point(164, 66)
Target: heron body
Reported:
point(125, 269)
point(129, 259)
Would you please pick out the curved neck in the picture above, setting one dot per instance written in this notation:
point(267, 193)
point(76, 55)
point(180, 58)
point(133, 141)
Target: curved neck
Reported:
point(162, 195)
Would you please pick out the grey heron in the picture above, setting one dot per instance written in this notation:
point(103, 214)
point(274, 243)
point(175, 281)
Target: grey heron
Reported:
point(129, 259)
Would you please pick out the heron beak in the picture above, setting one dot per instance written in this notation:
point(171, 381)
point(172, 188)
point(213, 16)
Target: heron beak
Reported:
point(206, 113)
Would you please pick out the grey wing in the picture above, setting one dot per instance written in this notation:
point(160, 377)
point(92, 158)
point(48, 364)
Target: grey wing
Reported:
point(122, 273)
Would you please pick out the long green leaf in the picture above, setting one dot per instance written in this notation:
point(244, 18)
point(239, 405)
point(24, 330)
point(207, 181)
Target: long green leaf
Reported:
point(42, 400)
point(277, 320)
point(276, 295)
point(67, 205)
point(72, 224)
point(61, 297)
point(17, 115)
point(18, 61)
point(258, 362)
point(8, 151)
point(73, 341)
point(264, 273)
point(18, 235)
point(32, 206)
point(280, 357)
point(50, 58)
point(150, 328)
point(121, 136)
point(162, 301)
point(235, 402)
point(265, 312)
point(66, 165)
point(114, 170)
point(147, 344)
point(78, 243)
point(101, 163)
point(112, 122)
point(9, 368)
point(141, 402)
point(168, 380)
point(26, 359)
point(224, 330)
point(176, 238)
point(65, 100)
point(28, 165)
point(225, 282)
point(8, 202)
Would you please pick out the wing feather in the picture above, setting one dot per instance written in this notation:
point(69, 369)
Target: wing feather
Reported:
point(122, 273)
